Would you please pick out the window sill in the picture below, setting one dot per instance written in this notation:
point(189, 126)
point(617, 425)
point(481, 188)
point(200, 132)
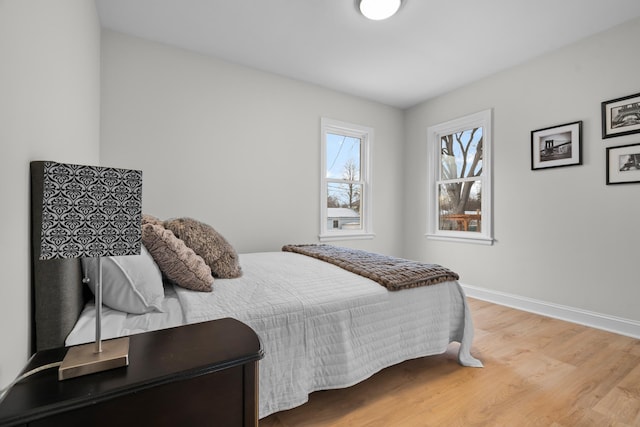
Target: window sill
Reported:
point(345, 236)
point(478, 240)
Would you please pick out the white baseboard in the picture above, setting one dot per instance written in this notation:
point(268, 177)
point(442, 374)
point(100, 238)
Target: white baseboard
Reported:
point(618, 325)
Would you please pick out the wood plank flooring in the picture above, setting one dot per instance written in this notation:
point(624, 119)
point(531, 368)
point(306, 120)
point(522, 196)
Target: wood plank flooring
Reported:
point(538, 372)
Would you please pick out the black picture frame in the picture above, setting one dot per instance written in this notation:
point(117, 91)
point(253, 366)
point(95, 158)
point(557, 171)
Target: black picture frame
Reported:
point(623, 164)
point(557, 146)
point(621, 116)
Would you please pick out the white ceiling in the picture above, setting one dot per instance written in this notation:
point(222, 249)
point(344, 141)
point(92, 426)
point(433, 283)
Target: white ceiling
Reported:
point(430, 47)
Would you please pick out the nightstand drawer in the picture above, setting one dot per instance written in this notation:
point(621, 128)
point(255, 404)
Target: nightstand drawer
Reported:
point(204, 374)
point(213, 399)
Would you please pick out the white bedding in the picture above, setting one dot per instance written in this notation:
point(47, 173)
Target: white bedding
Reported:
point(321, 327)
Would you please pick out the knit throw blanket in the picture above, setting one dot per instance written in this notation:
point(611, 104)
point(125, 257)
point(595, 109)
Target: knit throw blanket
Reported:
point(392, 273)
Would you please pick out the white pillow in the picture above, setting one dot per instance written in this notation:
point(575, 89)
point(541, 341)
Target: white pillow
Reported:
point(131, 283)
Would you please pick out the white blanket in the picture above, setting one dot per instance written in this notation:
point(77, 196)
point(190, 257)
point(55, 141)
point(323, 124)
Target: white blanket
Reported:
point(321, 327)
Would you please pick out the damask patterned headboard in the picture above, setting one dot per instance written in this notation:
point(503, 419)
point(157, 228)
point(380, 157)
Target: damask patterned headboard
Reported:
point(57, 292)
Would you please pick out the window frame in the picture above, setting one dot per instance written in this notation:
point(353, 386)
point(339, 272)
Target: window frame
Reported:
point(366, 135)
point(434, 152)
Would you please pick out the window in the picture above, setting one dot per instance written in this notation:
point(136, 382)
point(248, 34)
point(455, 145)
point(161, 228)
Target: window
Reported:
point(459, 179)
point(345, 194)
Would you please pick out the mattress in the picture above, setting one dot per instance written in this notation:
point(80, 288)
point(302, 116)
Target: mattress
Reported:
point(321, 327)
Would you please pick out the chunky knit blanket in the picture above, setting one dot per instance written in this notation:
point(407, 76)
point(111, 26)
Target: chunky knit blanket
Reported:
point(392, 273)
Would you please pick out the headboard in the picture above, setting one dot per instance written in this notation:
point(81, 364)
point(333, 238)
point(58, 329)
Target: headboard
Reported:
point(58, 294)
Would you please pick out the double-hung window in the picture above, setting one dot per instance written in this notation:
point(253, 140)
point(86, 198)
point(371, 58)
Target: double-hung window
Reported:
point(345, 193)
point(459, 179)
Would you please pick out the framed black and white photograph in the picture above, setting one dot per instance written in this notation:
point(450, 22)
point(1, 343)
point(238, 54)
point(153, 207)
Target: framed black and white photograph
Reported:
point(557, 146)
point(623, 164)
point(621, 116)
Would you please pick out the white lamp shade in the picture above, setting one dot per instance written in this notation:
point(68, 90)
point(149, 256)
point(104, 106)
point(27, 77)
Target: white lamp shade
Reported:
point(379, 9)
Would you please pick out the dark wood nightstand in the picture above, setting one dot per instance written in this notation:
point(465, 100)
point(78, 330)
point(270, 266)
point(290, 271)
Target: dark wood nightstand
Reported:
point(204, 374)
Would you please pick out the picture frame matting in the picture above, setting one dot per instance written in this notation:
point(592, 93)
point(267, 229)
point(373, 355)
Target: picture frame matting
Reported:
point(621, 116)
point(623, 164)
point(557, 146)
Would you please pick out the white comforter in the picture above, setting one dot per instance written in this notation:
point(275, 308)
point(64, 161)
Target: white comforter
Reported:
point(321, 327)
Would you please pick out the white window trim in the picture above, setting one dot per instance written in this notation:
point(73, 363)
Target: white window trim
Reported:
point(434, 133)
point(366, 134)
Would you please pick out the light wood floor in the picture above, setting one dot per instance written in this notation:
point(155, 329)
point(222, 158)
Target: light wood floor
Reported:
point(538, 372)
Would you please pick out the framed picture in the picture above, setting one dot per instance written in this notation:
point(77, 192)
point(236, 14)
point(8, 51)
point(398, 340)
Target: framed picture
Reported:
point(621, 116)
point(556, 146)
point(623, 164)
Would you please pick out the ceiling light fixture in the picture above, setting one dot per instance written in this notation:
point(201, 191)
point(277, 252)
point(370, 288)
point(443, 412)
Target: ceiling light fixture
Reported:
point(378, 10)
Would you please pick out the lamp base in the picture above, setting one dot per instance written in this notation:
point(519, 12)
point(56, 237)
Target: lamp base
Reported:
point(83, 360)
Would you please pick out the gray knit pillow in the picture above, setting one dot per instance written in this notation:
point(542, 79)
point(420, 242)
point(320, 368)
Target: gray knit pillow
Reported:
point(179, 263)
point(150, 219)
point(209, 244)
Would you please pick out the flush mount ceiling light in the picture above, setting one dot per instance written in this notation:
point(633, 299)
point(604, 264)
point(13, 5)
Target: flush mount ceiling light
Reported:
point(378, 10)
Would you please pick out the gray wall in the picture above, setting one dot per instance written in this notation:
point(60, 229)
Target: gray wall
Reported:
point(562, 235)
point(49, 110)
point(239, 149)
point(235, 147)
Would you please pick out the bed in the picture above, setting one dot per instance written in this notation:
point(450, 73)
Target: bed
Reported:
point(320, 325)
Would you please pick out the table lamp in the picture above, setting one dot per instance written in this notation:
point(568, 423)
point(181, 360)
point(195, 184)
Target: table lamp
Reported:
point(91, 211)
